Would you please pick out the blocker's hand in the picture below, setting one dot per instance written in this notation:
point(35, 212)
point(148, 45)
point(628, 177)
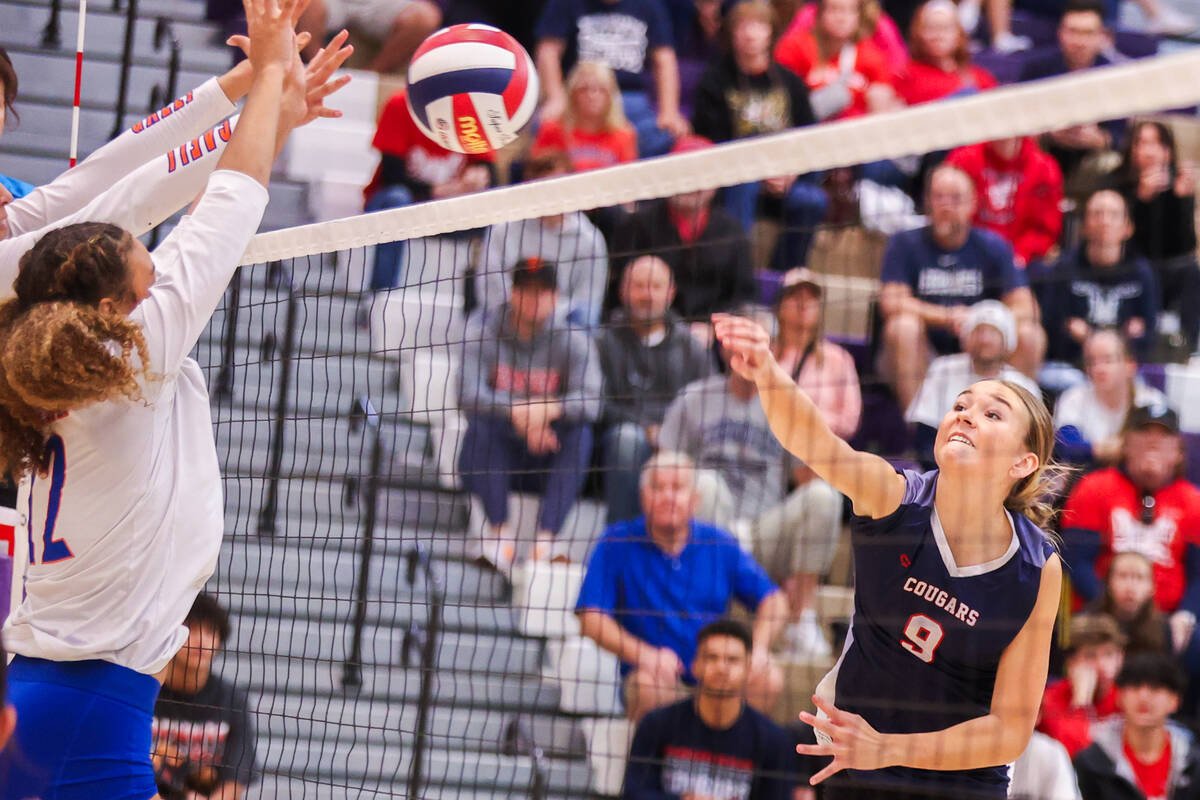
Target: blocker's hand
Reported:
point(854, 744)
point(747, 344)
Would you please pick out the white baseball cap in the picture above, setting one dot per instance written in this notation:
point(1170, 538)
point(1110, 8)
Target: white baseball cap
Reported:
point(996, 314)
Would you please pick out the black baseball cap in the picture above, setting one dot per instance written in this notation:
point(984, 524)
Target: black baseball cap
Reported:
point(535, 272)
point(1156, 414)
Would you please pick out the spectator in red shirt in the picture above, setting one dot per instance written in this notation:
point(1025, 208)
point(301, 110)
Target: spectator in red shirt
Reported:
point(1087, 695)
point(593, 130)
point(847, 76)
point(1145, 505)
point(940, 65)
point(1141, 753)
point(413, 168)
point(1019, 189)
point(877, 26)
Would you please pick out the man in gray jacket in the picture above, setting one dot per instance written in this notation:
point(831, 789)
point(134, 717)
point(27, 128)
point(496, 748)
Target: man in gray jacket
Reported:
point(530, 388)
point(647, 356)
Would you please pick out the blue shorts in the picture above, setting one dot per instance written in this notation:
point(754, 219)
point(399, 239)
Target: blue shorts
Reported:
point(83, 731)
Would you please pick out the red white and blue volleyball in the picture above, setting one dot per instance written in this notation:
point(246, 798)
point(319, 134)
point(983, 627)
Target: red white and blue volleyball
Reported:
point(471, 88)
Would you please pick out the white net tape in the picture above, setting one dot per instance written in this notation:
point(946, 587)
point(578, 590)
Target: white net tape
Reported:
point(1117, 92)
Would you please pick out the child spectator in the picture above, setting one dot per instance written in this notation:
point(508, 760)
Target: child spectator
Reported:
point(847, 75)
point(1161, 194)
point(412, 169)
point(1073, 705)
point(745, 93)
point(1089, 416)
point(569, 240)
point(1129, 599)
point(940, 64)
point(1142, 753)
point(531, 389)
point(635, 38)
point(592, 129)
point(1100, 284)
point(1019, 191)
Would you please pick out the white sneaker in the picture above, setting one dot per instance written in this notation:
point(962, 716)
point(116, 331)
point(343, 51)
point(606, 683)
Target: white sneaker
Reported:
point(1007, 43)
point(1171, 22)
point(497, 554)
point(805, 640)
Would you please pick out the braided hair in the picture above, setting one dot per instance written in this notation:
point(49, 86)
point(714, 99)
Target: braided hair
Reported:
point(59, 349)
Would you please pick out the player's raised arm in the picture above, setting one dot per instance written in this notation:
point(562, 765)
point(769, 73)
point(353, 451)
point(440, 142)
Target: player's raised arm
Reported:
point(871, 483)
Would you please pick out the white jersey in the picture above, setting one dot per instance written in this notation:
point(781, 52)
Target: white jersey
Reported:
point(944, 381)
point(135, 181)
point(125, 529)
point(1080, 408)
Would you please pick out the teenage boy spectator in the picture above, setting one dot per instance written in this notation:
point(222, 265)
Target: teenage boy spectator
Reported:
point(647, 357)
point(633, 37)
point(1088, 417)
point(745, 93)
point(569, 240)
point(989, 336)
point(931, 276)
point(707, 249)
point(1018, 191)
point(1144, 504)
point(412, 169)
point(712, 744)
point(203, 738)
point(744, 474)
point(1100, 283)
point(1142, 754)
point(1072, 705)
point(1082, 38)
point(531, 389)
point(653, 582)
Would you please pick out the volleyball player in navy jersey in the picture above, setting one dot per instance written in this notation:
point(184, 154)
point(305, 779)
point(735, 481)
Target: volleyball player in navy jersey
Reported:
point(956, 590)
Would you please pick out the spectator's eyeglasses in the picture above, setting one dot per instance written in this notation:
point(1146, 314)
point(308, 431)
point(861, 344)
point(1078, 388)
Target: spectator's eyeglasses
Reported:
point(1148, 504)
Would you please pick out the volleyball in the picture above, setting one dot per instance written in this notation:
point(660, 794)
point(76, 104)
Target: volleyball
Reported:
point(471, 88)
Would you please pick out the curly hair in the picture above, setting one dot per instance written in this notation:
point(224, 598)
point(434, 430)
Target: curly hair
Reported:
point(59, 350)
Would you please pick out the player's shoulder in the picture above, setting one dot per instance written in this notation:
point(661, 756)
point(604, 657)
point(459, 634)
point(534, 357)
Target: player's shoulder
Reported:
point(1034, 545)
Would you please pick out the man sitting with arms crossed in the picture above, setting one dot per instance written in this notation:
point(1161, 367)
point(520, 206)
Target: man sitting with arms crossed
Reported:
point(655, 581)
point(712, 745)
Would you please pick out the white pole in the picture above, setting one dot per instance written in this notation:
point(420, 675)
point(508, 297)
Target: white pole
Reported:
point(78, 82)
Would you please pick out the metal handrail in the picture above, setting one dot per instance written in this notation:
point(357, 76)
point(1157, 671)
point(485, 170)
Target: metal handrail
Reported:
point(276, 273)
point(363, 414)
point(52, 33)
point(418, 558)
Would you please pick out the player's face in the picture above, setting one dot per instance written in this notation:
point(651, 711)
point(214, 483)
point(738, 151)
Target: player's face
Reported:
point(1152, 457)
point(1147, 706)
point(1130, 583)
point(986, 429)
point(669, 498)
point(721, 666)
point(141, 274)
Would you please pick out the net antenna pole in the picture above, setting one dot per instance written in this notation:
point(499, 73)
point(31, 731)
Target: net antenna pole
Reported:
point(78, 83)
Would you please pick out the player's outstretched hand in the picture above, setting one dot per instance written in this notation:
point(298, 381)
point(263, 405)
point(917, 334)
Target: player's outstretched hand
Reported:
point(271, 28)
point(849, 738)
point(319, 76)
point(747, 344)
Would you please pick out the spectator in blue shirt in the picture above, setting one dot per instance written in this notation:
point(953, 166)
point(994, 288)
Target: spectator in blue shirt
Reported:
point(634, 37)
point(931, 276)
point(712, 744)
point(655, 581)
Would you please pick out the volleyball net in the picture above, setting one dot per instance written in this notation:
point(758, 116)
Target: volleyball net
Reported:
point(369, 447)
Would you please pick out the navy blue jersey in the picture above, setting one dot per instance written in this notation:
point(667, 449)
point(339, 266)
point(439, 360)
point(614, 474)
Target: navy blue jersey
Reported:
point(927, 635)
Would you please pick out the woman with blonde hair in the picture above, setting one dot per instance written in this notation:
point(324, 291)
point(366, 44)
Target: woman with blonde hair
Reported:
point(956, 589)
point(875, 24)
point(593, 130)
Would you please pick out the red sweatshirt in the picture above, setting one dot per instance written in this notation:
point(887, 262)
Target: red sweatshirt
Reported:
point(1018, 199)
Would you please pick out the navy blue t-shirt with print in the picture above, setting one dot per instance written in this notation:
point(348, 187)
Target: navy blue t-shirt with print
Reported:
point(927, 635)
point(675, 754)
point(982, 269)
point(620, 34)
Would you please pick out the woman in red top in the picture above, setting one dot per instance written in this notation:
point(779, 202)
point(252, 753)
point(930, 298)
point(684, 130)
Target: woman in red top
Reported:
point(847, 76)
point(941, 61)
point(877, 26)
point(593, 130)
